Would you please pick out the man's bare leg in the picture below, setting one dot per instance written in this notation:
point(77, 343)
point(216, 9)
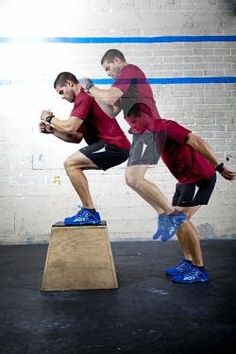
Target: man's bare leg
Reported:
point(192, 269)
point(135, 178)
point(189, 238)
point(168, 221)
point(74, 166)
point(190, 243)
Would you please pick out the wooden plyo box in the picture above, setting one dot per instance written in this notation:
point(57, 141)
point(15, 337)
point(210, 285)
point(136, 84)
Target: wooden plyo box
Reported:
point(79, 258)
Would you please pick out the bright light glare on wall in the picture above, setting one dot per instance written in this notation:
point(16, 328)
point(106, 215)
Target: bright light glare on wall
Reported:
point(31, 19)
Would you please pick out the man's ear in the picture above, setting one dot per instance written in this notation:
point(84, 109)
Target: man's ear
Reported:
point(117, 61)
point(70, 83)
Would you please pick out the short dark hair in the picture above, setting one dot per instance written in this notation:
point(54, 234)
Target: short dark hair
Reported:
point(63, 77)
point(111, 54)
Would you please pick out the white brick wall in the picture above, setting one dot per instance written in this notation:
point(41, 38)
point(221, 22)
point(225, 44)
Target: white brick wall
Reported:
point(32, 199)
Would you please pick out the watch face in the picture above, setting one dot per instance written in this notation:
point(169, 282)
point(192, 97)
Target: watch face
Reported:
point(49, 118)
point(88, 86)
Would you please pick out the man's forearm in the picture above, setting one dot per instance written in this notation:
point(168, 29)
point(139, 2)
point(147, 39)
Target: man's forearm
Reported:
point(69, 138)
point(101, 95)
point(69, 126)
point(111, 111)
point(108, 96)
point(61, 125)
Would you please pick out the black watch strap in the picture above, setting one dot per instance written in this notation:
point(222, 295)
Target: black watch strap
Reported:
point(220, 167)
point(49, 118)
point(89, 86)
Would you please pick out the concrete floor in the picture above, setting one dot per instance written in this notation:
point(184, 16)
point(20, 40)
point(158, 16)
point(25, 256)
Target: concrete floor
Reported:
point(147, 314)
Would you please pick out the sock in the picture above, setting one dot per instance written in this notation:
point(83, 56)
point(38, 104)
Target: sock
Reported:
point(188, 261)
point(92, 211)
point(201, 268)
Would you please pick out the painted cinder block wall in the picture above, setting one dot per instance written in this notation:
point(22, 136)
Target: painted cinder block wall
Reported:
point(35, 192)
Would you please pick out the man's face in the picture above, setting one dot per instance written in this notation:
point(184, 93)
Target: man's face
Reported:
point(66, 92)
point(112, 69)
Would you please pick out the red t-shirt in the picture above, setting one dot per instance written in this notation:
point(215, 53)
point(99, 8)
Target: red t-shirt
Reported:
point(97, 125)
point(137, 102)
point(186, 164)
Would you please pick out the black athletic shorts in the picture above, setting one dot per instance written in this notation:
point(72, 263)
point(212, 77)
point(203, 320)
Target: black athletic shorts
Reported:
point(105, 155)
point(146, 148)
point(194, 194)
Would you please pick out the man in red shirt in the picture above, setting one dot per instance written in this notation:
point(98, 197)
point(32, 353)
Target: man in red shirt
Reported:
point(189, 158)
point(107, 143)
point(194, 164)
point(132, 93)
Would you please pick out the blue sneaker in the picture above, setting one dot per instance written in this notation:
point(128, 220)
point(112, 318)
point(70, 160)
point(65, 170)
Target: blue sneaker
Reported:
point(83, 217)
point(194, 275)
point(182, 267)
point(168, 225)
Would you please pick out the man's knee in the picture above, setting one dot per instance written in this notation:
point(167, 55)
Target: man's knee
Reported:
point(70, 163)
point(67, 163)
point(133, 181)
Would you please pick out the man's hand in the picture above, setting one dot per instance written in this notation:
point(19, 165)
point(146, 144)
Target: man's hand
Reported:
point(45, 128)
point(86, 83)
point(227, 174)
point(45, 115)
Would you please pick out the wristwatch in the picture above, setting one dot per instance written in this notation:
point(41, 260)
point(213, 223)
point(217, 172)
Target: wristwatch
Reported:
point(220, 167)
point(49, 118)
point(89, 86)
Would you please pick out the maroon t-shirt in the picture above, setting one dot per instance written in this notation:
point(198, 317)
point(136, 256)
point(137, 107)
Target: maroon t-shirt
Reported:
point(97, 125)
point(186, 164)
point(137, 102)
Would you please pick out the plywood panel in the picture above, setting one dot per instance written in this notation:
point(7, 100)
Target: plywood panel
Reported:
point(79, 257)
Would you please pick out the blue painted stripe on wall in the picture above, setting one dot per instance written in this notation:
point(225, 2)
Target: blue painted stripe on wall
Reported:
point(92, 40)
point(5, 82)
point(179, 80)
point(153, 80)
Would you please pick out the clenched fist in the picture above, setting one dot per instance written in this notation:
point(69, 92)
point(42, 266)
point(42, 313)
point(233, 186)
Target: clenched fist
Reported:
point(45, 128)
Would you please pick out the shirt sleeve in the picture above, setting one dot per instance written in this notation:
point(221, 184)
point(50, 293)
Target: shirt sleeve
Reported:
point(176, 131)
point(124, 80)
point(81, 107)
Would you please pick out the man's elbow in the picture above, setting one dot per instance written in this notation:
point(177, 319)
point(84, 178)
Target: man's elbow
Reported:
point(76, 138)
point(195, 141)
